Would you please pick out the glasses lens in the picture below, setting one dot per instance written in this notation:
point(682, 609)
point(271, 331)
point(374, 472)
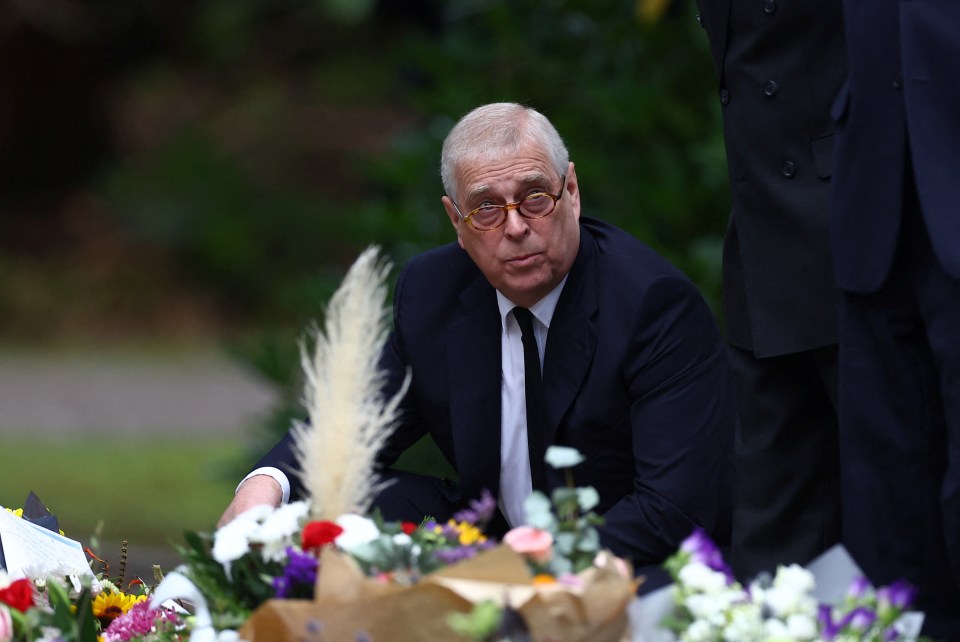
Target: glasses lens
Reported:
point(485, 218)
point(539, 204)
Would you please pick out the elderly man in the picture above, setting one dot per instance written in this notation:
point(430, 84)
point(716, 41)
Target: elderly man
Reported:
point(634, 373)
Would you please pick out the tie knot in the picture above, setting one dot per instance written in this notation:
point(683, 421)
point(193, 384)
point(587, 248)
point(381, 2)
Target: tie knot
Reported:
point(525, 320)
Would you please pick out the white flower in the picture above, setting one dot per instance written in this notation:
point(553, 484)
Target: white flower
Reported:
point(700, 577)
point(789, 593)
point(745, 623)
point(776, 630)
point(784, 601)
point(277, 530)
point(795, 577)
point(232, 541)
point(357, 531)
point(563, 457)
point(699, 631)
point(402, 539)
point(802, 626)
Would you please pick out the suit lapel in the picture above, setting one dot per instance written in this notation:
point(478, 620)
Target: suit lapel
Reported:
point(473, 364)
point(572, 339)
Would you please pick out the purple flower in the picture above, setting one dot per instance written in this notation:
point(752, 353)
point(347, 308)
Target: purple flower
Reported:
point(138, 622)
point(299, 575)
point(828, 628)
point(702, 549)
point(858, 588)
point(860, 618)
point(454, 555)
point(899, 595)
point(480, 510)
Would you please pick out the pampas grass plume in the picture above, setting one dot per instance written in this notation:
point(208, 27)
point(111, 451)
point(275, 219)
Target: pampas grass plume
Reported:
point(349, 421)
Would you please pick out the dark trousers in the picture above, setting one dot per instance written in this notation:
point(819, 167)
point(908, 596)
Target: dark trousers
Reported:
point(788, 496)
point(900, 428)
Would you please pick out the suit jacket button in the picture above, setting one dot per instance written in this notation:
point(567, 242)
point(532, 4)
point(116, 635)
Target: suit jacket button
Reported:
point(770, 88)
point(770, 7)
point(789, 169)
point(724, 97)
point(700, 21)
point(897, 83)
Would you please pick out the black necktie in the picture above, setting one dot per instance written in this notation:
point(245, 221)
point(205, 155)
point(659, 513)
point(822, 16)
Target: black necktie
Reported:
point(533, 386)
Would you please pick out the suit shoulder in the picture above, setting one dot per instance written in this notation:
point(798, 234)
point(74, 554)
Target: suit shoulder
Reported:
point(626, 258)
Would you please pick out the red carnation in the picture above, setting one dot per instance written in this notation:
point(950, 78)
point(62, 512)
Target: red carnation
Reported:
point(19, 595)
point(408, 527)
point(317, 534)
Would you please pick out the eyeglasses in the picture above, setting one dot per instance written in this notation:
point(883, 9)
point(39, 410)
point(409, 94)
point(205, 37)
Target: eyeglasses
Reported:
point(532, 206)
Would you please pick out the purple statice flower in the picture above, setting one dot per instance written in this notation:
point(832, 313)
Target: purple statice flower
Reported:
point(702, 549)
point(480, 510)
point(898, 595)
point(299, 575)
point(138, 622)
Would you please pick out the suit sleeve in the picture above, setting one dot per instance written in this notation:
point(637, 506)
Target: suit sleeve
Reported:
point(682, 419)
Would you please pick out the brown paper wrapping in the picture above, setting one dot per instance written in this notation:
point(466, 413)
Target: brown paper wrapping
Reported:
point(351, 607)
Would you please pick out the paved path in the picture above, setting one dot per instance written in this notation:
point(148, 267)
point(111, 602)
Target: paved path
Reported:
point(83, 393)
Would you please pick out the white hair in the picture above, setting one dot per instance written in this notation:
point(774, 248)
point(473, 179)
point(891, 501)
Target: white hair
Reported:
point(492, 132)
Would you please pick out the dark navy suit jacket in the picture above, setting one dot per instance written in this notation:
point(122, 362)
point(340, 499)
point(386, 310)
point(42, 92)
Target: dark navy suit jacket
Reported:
point(635, 377)
point(903, 59)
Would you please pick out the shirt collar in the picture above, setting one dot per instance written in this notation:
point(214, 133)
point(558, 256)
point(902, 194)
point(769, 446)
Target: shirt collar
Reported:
point(542, 310)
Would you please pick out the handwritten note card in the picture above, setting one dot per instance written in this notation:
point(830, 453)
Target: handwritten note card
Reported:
point(33, 551)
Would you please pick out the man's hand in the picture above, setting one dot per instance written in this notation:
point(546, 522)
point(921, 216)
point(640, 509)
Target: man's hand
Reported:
point(259, 489)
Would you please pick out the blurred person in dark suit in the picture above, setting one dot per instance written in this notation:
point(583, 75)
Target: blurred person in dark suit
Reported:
point(780, 64)
point(896, 233)
point(634, 372)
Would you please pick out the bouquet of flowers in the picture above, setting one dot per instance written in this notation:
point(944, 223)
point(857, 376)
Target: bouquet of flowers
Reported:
point(73, 606)
point(709, 605)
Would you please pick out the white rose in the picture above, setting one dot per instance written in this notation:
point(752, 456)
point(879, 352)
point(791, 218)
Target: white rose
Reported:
point(357, 531)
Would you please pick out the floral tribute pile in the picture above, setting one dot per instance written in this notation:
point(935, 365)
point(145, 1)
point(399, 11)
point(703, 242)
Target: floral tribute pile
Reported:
point(711, 606)
point(278, 574)
point(326, 569)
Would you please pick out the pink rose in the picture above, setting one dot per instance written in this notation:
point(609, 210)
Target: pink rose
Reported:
point(530, 542)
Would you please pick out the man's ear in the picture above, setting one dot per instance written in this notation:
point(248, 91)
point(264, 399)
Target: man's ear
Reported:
point(572, 187)
point(454, 217)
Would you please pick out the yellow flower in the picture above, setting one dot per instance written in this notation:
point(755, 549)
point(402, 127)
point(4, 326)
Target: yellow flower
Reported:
point(16, 513)
point(108, 606)
point(544, 578)
point(468, 533)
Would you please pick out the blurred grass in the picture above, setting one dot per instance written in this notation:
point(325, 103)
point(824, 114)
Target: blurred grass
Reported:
point(146, 491)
